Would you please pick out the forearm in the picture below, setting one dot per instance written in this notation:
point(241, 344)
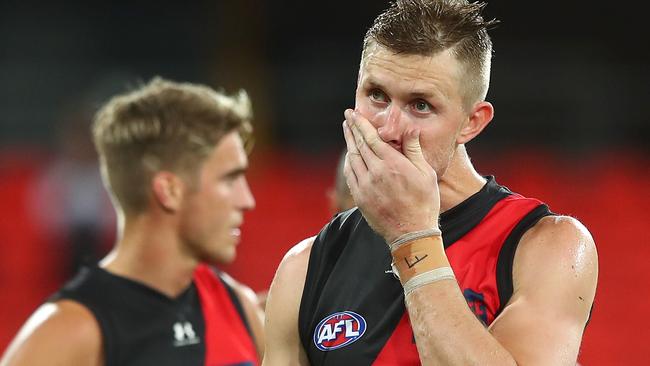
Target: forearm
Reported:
point(447, 332)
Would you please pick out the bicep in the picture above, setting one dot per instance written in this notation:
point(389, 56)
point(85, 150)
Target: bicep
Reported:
point(63, 333)
point(554, 276)
point(535, 335)
point(283, 345)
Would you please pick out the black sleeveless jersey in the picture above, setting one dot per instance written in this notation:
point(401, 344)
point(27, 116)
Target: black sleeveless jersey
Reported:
point(141, 326)
point(352, 308)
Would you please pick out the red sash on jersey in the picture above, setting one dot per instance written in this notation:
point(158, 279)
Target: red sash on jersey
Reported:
point(227, 342)
point(474, 261)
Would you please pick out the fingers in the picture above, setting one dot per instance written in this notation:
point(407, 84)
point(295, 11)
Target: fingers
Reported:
point(369, 144)
point(412, 149)
point(354, 157)
point(351, 178)
point(371, 161)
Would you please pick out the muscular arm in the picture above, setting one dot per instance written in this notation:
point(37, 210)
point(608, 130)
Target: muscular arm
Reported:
point(554, 278)
point(61, 333)
point(252, 310)
point(283, 346)
point(554, 273)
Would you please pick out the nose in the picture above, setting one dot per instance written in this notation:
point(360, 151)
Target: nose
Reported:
point(246, 199)
point(390, 126)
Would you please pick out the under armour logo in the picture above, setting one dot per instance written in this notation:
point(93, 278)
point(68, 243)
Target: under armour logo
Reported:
point(184, 334)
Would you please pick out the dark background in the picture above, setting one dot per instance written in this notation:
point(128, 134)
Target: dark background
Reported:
point(571, 76)
point(569, 84)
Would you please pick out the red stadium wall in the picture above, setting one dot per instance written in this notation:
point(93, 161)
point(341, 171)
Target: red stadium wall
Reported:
point(608, 193)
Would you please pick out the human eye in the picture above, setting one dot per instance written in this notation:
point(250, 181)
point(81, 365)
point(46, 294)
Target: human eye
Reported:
point(232, 177)
point(378, 96)
point(422, 106)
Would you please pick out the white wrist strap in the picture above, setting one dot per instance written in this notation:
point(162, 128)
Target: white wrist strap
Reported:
point(438, 274)
point(415, 235)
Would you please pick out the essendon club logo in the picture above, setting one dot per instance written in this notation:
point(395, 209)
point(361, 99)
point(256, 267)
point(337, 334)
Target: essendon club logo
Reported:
point(339, 330)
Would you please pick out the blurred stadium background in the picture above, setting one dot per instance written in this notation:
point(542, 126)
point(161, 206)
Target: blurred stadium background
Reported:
point(570, 86)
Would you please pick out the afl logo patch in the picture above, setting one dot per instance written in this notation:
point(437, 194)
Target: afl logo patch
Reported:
point(339, 330)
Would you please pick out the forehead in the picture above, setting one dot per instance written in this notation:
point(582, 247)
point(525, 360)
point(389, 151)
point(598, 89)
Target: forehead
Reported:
point(438, 74)
point(229, 154)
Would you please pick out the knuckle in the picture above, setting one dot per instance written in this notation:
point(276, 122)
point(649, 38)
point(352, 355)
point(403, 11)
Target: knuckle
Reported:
point(359, 140)
point(373, 142)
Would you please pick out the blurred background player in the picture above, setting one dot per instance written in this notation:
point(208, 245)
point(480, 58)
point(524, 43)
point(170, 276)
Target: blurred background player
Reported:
point(82, 227)
point(339, 197)
point(173, 157)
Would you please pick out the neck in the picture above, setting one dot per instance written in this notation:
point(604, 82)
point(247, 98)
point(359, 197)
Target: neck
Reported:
point(459, 181)
point(149, 251)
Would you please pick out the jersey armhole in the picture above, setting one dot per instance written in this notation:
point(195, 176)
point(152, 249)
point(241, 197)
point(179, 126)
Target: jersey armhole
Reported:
point(317, 263)
point(238, 305)
point(507, 253)
point(109, 348)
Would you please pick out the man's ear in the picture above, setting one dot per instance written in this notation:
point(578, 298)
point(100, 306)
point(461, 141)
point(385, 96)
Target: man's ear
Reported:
point(481, 115)
point(168, 189)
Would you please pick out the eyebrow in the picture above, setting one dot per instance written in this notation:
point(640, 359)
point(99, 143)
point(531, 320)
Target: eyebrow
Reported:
point(416, 94)
point(235, 172)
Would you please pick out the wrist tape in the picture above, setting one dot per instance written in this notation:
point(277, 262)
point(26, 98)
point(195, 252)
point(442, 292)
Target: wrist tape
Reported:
point(438, 274)
point(420, 261)
point(412, 236)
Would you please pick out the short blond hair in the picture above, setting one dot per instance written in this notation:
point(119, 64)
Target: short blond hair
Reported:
point(163, 125)
point(427, 27)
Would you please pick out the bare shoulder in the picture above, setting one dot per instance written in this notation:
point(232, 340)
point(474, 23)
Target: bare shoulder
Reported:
point(60, 333)
point(554, 275)
point(558, 251)
point(290, 276)
point(283, 305)
point(559, 239)
point(297, 258)
point(292, 267)
point(563, 226)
